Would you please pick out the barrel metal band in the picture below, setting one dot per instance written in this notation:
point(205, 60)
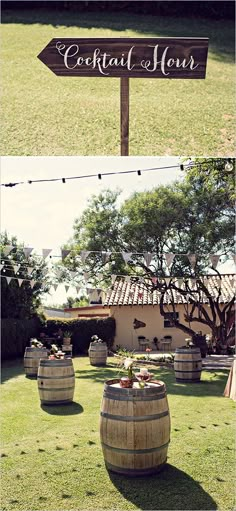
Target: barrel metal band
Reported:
point(121, 397)
point(183, 371)
point(192, 361)
point(135, 451)
point(130, 418)
point(55, 390)
point(55, 377)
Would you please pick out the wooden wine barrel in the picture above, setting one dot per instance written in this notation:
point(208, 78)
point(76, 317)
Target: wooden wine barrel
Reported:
point(135, 428)
point(97, 354)
point(188, 365)
point(32, 357)
point(56, 381)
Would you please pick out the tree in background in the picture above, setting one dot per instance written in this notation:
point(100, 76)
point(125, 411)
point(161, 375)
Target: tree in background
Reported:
point(192, 216)
point(20, 301)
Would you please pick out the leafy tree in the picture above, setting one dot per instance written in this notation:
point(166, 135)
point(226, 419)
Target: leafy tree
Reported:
point(20, 301)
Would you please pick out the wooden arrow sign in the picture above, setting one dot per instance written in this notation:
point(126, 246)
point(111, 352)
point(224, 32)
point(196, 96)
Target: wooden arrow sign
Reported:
point(127, 58)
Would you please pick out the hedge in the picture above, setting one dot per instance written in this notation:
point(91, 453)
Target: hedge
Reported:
point(82, 331)
point(16, 334)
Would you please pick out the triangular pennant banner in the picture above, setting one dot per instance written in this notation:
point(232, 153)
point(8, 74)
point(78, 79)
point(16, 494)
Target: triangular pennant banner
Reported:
point(65, 253)
point(1, 266)
point(67, 288)
point(46, 252)
point(89, 291)
point(167, 279)
point(55, 286)
point(58, 273)
point(86, 276)
point(32, 283)
point(105, 257)
point(234, 258)
point(148, 257)
point(77, 289)
point(84, 254)
point(113, 278)
point(169, 258)
point(100, 276)
point(73, 274)
point(8, 280)
point(27, 251)
point(7, 249)
point(16, 268)
point(29, 270)
point(154, 280)
point(214, 258)
point(127, 278)
point(179, 282)
point(20, 282)
point(192, 259)
point(126, 256)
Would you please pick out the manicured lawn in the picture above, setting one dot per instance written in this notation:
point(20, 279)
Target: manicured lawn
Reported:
point(52, 459)
point(47, 115)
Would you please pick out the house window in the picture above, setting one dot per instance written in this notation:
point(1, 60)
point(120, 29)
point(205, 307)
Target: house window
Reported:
point(168, 317)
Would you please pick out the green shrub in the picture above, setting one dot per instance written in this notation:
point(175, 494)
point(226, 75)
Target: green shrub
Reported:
point(82, 331)
point(15, 335)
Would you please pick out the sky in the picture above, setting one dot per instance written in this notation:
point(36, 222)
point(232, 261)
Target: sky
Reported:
point(42, 214)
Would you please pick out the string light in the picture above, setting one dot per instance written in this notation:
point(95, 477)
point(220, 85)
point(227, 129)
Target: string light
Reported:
point(229, 166)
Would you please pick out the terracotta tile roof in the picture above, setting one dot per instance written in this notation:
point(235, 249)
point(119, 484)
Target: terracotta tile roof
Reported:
point(128, 293)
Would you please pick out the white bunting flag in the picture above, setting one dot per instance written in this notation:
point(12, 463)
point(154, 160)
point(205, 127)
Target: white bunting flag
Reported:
point(113, 278)
point(127, 278)
point(84, 254)
point(105, 257)
point(167, 279)
point(29, 270)
point(148, 258)
point(89, 291)
point(16, 268)
point(1, 266)
point(27, 251)
point(179, 282)
point(32, 283)
point(86, 276)
point(141, 280)
point(20, 282)
point(67, 288)
point(77, 289)
point(65, 253)
point(73, 274)
point(192, 259)
point(100, 276)
point(7, 249)
point(126, 256)
point(214, 258)
point(55, 286)
point(46, 252)
point(234, 258)
point(169, 258)
point(9, 280)
point(58, 272)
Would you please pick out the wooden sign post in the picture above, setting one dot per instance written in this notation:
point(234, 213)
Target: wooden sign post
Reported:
point(127, 58)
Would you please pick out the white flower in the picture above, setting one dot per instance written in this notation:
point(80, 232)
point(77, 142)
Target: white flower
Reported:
point(128, 362)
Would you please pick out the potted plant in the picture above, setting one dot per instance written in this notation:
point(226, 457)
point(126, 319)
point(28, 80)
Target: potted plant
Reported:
point(67, 337)
point(55, 353)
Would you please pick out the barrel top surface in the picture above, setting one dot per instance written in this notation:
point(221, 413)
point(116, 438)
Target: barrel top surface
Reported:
point(56, 362)
point(31, 348)
point(153, 385)
point(187, 350)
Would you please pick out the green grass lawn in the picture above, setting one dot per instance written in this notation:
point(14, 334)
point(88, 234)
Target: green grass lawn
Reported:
point(52, 459)
point(47, 115)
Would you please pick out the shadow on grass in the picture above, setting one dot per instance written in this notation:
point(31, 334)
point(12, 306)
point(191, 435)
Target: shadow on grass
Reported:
point(11, 369)
point(220, 34)
point(170, 489)
point(68, 409)
point(213, 386)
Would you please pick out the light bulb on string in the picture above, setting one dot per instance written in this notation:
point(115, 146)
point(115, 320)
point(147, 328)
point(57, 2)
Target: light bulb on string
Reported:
point(229, 166)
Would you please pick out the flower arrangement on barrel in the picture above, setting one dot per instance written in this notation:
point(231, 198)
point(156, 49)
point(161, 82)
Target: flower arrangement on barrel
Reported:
point(142, 377)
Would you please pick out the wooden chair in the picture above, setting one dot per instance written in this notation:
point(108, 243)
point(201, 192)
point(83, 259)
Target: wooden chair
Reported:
point(166, 342)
